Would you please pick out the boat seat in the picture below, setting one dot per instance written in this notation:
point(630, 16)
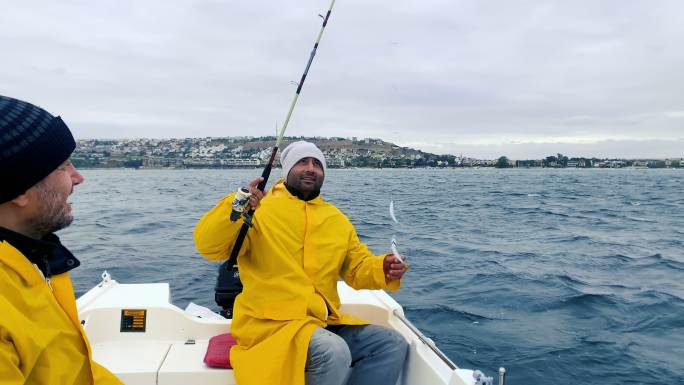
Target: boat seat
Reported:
point(182, 367)
point(133, 362)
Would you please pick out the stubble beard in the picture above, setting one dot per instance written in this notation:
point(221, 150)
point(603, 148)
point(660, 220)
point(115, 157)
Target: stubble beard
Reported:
point(54, 212)
point(306, 189)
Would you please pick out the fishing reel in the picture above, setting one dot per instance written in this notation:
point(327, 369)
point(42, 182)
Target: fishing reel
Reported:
point(239, 205)
point(228, 284)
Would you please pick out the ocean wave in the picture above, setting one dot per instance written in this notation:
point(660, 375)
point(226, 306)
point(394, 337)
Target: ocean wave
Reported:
point(581, 302)
point(657, 260)
point(574, 238)
point(443, 311)
point(567, 280)
point(639, 219)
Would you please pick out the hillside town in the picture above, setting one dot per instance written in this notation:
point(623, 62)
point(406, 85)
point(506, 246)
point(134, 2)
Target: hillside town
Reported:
point(245, 152)
point(253, 152)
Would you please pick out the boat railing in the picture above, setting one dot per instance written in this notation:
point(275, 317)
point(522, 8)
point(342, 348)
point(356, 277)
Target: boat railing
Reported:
point(431, 344)
point(427, 341)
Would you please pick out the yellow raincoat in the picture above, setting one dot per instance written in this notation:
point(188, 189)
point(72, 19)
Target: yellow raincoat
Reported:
point(289, 266)
point(41, 338)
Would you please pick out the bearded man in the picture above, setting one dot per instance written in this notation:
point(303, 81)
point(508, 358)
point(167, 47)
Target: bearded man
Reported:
point(287, 321)
point(41, 338)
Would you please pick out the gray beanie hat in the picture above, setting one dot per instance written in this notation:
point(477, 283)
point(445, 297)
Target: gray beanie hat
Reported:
point(33, 143)
point(297, 151)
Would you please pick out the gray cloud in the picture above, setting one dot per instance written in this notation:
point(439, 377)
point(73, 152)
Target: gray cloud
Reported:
point(472, 77)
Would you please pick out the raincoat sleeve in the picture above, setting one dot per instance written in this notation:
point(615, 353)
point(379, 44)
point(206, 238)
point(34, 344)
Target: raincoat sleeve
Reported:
point(10, 373)
point(102, 376)
point(215, 234)
point(362, 269)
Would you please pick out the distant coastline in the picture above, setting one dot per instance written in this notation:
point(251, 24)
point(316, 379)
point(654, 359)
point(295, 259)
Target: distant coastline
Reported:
point(251, 152)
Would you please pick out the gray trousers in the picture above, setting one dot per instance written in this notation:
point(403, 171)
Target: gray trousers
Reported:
point(355, 355)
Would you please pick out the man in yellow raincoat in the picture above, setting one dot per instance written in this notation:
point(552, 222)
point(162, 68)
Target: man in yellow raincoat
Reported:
point(287, 321)
point(41, 338)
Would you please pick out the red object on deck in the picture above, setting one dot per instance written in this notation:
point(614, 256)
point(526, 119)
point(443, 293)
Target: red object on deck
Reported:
point(218, 351)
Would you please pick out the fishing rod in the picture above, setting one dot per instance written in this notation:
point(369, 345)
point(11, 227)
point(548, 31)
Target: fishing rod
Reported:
point(228, 284)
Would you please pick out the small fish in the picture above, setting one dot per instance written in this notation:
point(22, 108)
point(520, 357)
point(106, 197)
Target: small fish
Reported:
point(391, 210)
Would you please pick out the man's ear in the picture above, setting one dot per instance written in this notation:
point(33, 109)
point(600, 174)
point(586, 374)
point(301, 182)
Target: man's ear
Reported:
point(22, 200)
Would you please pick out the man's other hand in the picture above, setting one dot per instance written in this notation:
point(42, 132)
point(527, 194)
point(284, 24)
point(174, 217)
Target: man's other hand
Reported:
point(257, 195)
point(394, 269)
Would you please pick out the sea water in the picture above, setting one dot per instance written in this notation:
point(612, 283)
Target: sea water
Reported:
point(561, 276)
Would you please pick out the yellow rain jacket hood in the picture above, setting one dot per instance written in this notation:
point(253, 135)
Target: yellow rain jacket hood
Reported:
point(41, 338)
point(289, 265)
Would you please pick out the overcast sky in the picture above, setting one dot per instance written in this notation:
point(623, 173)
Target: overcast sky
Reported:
point(480, 78)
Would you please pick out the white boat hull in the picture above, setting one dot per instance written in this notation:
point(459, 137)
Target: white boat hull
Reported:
point(171, 349)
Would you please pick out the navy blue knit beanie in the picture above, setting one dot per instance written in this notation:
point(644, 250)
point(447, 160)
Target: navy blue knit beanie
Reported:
point(33, 144)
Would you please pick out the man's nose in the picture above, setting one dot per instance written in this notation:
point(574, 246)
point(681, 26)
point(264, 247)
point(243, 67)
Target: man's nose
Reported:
point(76, 177)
